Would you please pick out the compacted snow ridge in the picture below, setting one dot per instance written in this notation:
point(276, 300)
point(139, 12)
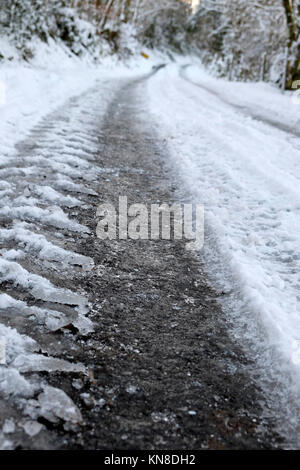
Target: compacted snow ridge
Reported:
point(227, 139)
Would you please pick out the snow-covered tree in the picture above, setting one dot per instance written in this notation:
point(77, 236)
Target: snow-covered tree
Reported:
point(245, 38)
point(292, 14)
point(164, 23)
point(23, 20)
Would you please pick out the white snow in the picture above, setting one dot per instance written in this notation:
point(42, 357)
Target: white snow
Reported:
point(246, 172)
point(262, 100)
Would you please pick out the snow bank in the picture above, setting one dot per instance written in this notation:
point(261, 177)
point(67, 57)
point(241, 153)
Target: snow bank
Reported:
point(247, 174)
point(261, 100)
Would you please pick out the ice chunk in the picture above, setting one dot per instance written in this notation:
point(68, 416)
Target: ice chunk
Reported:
point(8, 426)
point(32, 428)
point(49, 194)
point(7, 302)
point(53, 216)
point(5, 444)
point(12, 383)
point(31, 241)
point(55, 404)
point(38, 286)
point(38, 362)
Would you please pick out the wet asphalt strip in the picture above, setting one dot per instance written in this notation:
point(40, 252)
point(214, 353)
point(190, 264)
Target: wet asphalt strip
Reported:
point(167, 372)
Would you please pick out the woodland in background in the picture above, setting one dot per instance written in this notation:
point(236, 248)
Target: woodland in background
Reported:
point(239, 39)
point(250, 39)
point(85, 24)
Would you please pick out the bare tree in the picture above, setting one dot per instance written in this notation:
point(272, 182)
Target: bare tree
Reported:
point(292, 13)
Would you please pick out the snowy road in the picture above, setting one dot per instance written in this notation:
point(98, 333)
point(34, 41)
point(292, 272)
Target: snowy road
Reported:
point(87, 325)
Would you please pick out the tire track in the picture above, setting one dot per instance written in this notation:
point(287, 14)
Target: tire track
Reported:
point(43, 314)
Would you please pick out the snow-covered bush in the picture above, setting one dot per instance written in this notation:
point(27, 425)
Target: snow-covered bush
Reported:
point(78, 34)
point(24, 20)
